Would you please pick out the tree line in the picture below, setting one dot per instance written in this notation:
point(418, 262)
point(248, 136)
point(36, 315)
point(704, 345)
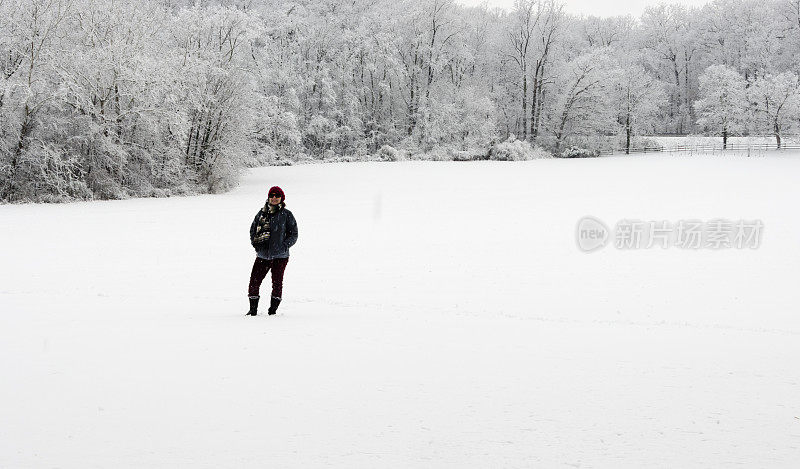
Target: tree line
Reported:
point(112, 99)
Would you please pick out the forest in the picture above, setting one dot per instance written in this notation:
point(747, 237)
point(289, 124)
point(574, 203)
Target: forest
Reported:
point(109, 99)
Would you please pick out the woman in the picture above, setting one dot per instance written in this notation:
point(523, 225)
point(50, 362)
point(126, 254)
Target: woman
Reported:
point(272, 233)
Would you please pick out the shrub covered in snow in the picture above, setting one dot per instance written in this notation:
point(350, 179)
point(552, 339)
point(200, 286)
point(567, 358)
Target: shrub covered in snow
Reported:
point(516, 150)
point(345, 159)
point(468, 155)
point(389, 153)
point(576, 152)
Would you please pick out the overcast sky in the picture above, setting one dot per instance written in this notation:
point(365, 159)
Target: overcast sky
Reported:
point(594, 7)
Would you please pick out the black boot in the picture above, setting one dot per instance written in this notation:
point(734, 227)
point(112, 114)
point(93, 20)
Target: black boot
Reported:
point(273, 305)
point(253, 307)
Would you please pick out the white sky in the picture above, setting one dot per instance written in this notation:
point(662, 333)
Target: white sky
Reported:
point(594, 7)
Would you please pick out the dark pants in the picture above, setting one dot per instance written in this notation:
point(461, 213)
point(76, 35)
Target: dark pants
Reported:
point(260, 269)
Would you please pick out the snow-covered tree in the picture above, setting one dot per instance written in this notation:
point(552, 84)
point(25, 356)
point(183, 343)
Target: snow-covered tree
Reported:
point(669, 35)
point(638, 98)
point(776, 101)
point(534, 30)
point(582, 105)
point(215, 46)
point(722, 106)
point(102, 98)
point(29, 31)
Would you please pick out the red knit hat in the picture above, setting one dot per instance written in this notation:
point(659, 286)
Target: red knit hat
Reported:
point(277, 190)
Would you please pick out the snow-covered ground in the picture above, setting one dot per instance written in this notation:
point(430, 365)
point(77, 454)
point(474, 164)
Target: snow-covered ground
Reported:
point(435, 315)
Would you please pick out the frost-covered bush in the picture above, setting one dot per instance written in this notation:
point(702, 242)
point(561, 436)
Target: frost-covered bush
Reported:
point(389, 153)
point(434, 154)
point(344, 159)
point(448, 153)
point(438, 154)
point(160, 193)
point(304, 158)
point(466, 155)
point(516, 150)
point(454, 154)
point(646, 142)
point(576, 152)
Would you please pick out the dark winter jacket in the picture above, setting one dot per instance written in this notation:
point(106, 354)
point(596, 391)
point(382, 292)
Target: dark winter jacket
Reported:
point(282, 229)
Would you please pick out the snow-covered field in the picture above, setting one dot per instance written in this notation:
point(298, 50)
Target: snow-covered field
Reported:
point(435, 315)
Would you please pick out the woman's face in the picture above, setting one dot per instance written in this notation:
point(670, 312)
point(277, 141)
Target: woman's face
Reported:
point(274, 199)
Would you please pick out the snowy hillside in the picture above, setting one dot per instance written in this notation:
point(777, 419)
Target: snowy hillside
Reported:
point(434, 315)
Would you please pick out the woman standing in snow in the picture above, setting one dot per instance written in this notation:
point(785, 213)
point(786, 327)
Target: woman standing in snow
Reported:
point(272, 233)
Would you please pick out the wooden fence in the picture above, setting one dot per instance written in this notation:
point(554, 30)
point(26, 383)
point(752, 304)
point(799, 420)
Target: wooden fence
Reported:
point(707, 148)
